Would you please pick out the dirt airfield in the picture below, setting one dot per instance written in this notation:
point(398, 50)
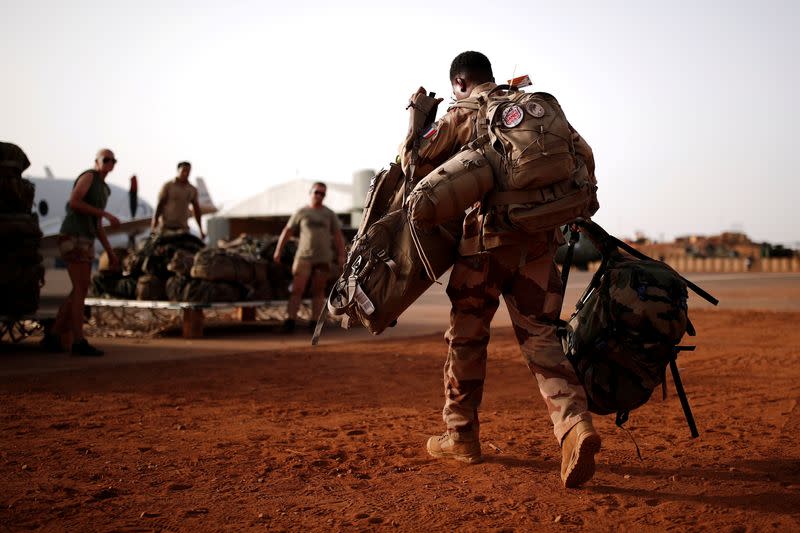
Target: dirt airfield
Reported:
point(332, 438)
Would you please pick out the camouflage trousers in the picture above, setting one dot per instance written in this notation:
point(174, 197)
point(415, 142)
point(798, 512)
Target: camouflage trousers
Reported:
point(530, 283)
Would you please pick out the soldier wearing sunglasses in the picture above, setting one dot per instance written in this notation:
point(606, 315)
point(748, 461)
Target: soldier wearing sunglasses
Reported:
point(318, 230)
point(79, 229)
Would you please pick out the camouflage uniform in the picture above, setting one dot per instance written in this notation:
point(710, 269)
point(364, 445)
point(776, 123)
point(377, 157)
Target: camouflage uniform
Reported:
point(528, 279)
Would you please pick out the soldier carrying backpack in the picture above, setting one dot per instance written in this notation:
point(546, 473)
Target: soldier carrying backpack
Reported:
point(507, 247)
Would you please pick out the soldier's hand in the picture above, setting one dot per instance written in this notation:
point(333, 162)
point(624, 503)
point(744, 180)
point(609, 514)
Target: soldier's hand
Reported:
point(276, 257)
point(421, 90)
point(112, 220)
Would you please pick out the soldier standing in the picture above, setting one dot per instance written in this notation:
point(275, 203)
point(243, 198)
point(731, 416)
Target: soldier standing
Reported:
point(80, 227)
point(520, 267)
point(174, 201)
point(318, 229)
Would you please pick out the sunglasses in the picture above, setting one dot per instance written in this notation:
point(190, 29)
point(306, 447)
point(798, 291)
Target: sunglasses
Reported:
point(319, 193)
point(109, 160)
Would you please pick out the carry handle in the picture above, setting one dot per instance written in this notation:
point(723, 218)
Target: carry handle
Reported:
point(606, 243)
point(574, 236)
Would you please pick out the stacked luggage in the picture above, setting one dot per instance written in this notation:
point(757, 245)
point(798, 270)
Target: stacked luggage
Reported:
point(21, 269)
point(177, 266)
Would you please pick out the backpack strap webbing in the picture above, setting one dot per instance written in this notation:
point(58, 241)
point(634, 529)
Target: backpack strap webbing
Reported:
point(574, 236)
point(531, 196)
point(467, 103)
point(636, 253)
point(323, 316)
point(607, 242)
point(676, 378)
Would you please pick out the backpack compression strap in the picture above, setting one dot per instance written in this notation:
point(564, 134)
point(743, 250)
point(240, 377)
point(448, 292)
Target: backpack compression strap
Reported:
point(606, 243)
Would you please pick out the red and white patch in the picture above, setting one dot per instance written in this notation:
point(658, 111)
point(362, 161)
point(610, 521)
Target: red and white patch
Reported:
point(512, 116)
point(432, 131)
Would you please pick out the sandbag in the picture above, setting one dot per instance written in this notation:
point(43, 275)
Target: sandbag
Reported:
point(450, 189)
point(220, 265)
point(384, 274)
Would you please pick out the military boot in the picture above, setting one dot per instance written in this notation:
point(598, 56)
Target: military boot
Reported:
point(577, 454)
point(464, 447)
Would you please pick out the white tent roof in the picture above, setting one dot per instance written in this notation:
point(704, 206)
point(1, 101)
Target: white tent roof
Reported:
point(286, 198)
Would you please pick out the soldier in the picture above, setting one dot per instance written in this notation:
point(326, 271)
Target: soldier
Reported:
point(318, 229)
point(81, 225)
point(174, 200)
point(518, 266)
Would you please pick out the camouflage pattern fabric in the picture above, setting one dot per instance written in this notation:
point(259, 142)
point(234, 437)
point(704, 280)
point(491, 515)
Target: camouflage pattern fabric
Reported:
point(621, 340)
point(530, 283)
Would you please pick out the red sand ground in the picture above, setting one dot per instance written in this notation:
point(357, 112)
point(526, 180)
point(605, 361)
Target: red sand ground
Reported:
point(332, 438)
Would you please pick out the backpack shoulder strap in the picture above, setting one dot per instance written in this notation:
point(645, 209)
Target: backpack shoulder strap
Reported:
point(471, 103)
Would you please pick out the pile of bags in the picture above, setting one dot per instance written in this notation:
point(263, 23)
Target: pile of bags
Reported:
point(21, 269)
point(176, 266)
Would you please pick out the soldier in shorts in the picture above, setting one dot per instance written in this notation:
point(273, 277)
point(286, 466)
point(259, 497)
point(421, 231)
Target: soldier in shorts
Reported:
point(175, 200)
point(518, 266)
point(80, 227)
point(318, 229)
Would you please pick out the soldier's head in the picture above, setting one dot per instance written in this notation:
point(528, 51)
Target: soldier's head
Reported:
point(104, 161)
point(184, 168)
point(468, 70)
point(317, 193)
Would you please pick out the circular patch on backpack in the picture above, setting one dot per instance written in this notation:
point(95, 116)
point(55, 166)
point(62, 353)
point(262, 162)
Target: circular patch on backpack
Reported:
point(512, 116)
point(534, 109)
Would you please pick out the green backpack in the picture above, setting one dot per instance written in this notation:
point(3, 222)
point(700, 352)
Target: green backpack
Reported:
point(627, 327)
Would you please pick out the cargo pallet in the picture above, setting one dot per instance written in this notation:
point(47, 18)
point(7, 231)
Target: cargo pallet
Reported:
point(193, 318)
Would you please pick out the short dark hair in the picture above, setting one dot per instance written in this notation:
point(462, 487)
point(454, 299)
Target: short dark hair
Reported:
point(318, 184)
point(184, 164)
point(474, 66)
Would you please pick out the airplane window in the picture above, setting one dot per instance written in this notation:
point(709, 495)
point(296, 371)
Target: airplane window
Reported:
point(43, 208)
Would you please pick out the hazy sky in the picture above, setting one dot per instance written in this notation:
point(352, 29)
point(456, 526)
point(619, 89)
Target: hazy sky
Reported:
point(690, 107)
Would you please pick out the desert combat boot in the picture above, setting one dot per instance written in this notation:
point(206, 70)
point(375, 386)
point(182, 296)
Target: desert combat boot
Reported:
point(577, 454)
point(464, 447)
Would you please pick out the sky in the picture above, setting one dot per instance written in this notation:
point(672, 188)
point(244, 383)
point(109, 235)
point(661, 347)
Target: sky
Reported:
point(690, 107)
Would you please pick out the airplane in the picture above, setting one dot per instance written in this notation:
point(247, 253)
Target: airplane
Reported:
point(135, 214)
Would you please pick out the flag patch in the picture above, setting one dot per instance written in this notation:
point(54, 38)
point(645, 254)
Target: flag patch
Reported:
point(521, 81)
point(431, 132)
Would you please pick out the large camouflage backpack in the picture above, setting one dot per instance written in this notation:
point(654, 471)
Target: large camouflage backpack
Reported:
point(627, 327)
point(544, 170)
point(384, 273)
